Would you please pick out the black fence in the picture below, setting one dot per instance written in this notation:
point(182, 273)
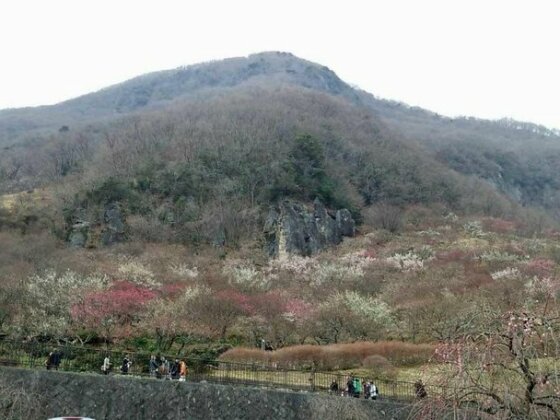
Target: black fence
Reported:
point(73, 358)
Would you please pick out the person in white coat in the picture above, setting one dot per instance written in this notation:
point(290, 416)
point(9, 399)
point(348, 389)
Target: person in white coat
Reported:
point(106, 366)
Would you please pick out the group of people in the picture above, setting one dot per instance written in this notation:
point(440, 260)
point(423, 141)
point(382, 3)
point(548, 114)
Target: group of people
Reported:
point(107, 366)
point(356, 387)
point(161, 368)
point(165, 369)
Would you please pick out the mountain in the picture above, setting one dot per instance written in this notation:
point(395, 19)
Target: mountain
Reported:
point(237, 119)
point(154, 90)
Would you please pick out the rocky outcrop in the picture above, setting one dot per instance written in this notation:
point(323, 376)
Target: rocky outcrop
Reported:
point(105, 227)
point(114, 225)
point(79, 233)
point(291, 228)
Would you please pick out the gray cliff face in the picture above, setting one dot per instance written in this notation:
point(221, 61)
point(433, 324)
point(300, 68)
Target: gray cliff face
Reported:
point(291, 228)
point(106, 227)
point(114, 225)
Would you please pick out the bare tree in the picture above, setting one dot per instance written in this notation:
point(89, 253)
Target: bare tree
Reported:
point(511, 368)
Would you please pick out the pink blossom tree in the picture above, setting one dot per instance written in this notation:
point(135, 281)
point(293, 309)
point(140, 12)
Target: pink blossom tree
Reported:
point(118, 307)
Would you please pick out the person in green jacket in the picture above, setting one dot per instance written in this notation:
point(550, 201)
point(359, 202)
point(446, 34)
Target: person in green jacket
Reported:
point(357, 387)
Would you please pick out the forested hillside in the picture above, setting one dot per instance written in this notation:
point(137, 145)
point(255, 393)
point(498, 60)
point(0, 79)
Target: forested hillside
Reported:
point(46, 143)
point(210, 168)
point(517, 158)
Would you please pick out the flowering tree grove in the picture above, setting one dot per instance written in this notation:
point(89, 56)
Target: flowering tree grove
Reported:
point(116, 307)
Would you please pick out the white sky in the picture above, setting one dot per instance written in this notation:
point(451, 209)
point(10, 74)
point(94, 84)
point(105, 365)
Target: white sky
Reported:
point(488, 58)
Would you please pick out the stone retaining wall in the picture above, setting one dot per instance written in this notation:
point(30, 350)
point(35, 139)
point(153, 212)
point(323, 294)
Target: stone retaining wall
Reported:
point(45, 394)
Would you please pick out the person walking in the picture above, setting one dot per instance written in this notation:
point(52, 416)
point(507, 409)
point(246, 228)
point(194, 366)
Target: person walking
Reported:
point(367, 390)
point(357, 387)
point(174, 370)
point(125, 366)
point(50, 361)
point(350, 386)
point(183, 370)
point(420, 389)
point(106, 366)
point(374, 391)
point(164, 368)
point(57, 357)
point(153, 366)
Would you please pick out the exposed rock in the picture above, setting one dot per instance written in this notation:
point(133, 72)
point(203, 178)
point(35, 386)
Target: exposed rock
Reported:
point(106, 227)
point(114, 229)
point(345, 223)
point(79, 234)
point(271, 232)
point(77, 239)
point(291, 228)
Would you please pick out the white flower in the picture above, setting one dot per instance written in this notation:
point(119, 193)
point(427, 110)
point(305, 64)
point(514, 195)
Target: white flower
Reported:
point(363, 306)
point(474, 228)
point(497, 256)
point(508, 273)
point(193, 292)
point(136, 272)
point(246, 276)
point(405, 262)
point(183, 270)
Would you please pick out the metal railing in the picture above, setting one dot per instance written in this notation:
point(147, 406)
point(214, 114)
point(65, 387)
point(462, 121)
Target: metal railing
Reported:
point(34, 354)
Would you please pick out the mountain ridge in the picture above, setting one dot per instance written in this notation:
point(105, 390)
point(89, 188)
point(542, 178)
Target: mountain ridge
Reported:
point(516, 158)
point(154, 88)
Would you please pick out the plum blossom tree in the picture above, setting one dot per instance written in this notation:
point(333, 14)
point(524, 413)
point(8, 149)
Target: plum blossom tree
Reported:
point(49, 298)
point(511, 368)
point(165, 320)
point(118, 307)
point(213, 314)
point(350, 315)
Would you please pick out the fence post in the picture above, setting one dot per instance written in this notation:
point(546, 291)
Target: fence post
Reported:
point(312, 379)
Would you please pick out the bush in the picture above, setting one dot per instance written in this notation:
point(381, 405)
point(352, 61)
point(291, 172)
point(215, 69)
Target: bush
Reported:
point(305, 356)
point(111, 190)
point(379, 366)
point(149, 229)
point(335, 356)
point(498, 225)
point(199, 357)
point(385, 216)
point(246, 355)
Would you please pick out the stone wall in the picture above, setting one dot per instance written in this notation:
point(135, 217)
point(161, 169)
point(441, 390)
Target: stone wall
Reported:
point(50, 394)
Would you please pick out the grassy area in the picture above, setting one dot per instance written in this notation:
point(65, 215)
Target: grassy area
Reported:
point(429, 373)
point(318, 380)
point(35, 197)
point(7, 201)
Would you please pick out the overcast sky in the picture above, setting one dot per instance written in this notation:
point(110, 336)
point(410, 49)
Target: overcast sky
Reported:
point(488, 58)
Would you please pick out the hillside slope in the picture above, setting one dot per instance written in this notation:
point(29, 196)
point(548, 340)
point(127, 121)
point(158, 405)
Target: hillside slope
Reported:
point(517, 159)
